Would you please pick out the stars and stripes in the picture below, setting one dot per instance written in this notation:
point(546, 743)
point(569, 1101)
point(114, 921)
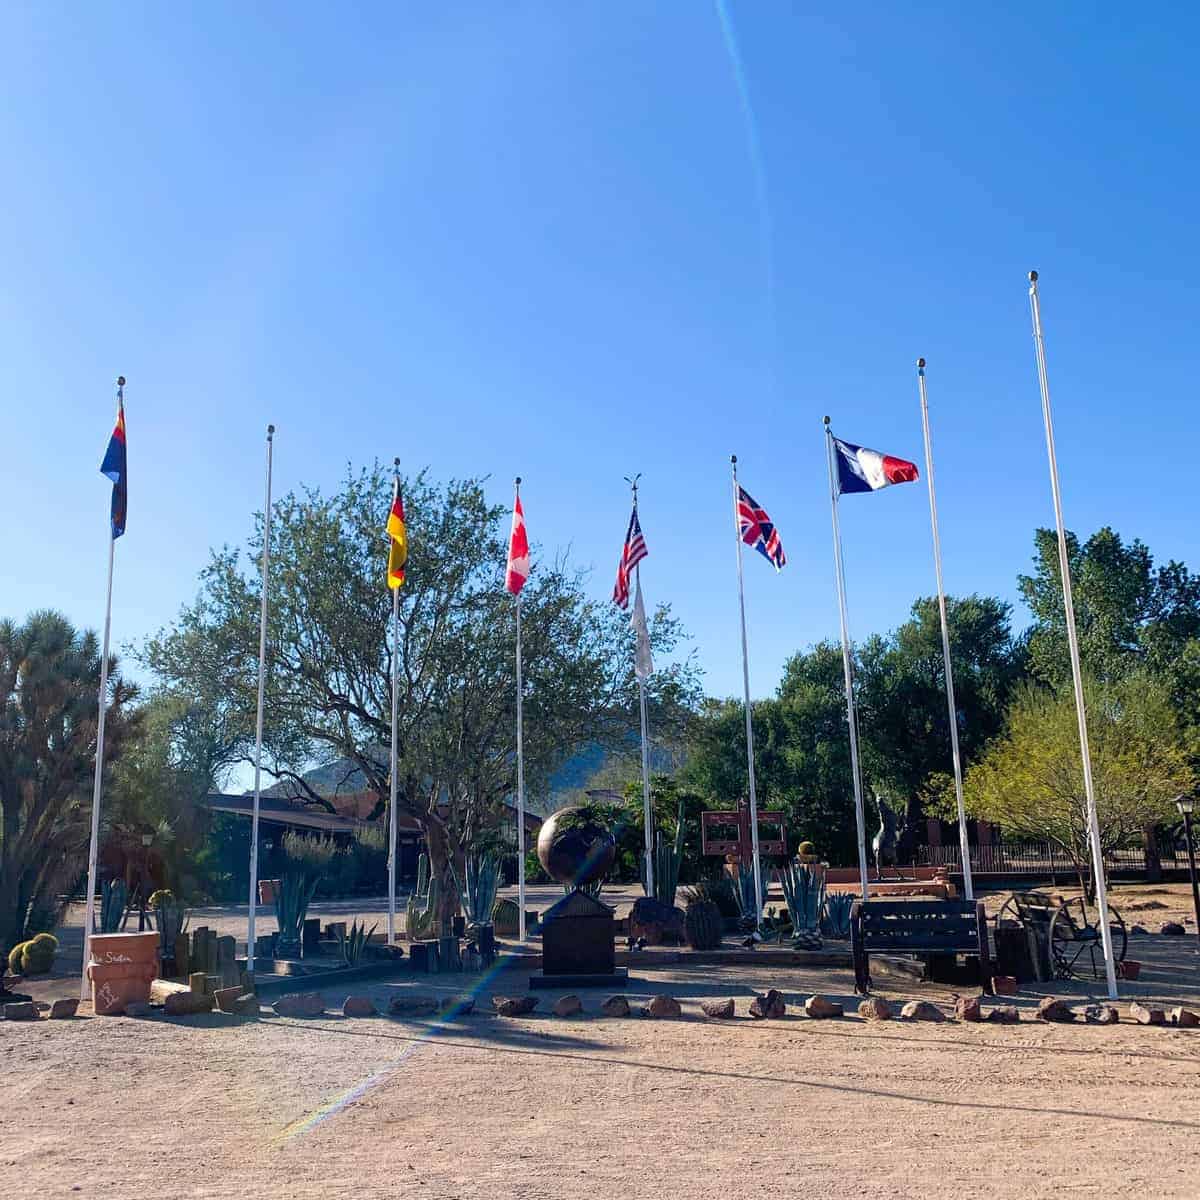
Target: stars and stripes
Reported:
point(758, 530)
point(632, 553)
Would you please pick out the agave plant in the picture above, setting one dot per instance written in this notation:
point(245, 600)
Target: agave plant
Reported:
point(478, 885)
point(835, 919)
point(353, 943)
point(804, 891)
point(305, 861)
point(113, 898)
point(170, 918)
point(743, 893)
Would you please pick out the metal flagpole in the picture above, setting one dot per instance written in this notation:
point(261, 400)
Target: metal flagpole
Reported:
point(521, 765)
point(737, 537)
point(98, 775)
point(847, 669)
point(394, 766)
point(258, 720)
point(647, 814)
point(1073, 644)
point(964, 845)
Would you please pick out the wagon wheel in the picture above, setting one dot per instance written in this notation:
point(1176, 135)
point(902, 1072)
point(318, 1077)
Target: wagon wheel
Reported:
point(1076, 947)
point(1009, 913)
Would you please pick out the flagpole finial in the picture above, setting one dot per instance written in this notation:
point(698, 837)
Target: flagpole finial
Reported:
point(396, 462)
point(270, 432)
point(517, 481)
point(120, 381)
point(1033, 277)
point(920, 364)
point(826, 422)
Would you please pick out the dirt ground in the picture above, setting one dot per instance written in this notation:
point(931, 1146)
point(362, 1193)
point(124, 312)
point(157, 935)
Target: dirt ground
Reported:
point(484, 1106)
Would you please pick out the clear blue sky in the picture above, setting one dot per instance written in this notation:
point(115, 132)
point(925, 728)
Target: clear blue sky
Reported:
point(572, 241)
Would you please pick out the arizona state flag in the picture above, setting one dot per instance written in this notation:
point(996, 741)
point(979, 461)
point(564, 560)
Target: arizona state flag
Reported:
point(398, 536)
point(115, 468)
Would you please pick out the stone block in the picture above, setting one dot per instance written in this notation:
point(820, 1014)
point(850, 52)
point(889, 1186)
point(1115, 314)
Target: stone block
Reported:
point(664, 1007)
point(358, 1006)
point(22, 1010)
point(1004, 1014)
point(1145, 1015)
point(302, 1004)
point(412, 1006)
point(717, 1010)
point(875, 1008)
point(769, 1005)
point(921, 1010)
point(821, 1008)
point(514, 1006)
point(62, 1010)
point(1054, 1010)
point(568, 1006)
point(969, 1009)
point(615, 1006)
point(1004, 985)
point(1184, 1018)
point(1099, 1014)
point(187, 1004)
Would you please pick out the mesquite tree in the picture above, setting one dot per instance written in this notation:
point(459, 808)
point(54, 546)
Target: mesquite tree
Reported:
point(330, 654)
point(49, 679)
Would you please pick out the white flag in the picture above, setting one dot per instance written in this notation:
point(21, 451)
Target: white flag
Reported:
point(643, 664)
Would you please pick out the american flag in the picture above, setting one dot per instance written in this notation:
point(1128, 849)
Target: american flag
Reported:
point(758, 530)
point(632, 553)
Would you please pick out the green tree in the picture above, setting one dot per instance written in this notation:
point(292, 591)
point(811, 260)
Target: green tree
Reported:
point(1030, 780)
point(49, 680)
point(329, 683)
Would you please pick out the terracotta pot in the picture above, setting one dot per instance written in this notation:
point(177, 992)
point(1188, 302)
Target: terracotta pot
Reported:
point(122, 967)
point(268, 889)
point(1129, 969)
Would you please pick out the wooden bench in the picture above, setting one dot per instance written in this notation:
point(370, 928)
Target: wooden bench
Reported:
point(927, 928)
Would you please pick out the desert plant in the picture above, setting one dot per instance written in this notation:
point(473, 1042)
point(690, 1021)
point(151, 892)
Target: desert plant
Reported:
point(835, 919)
point(804, 892)
point(667, 857)
point(423, 903)
point(743, 892)
point(703, 925)
point(34, 957)
point(478, 885)
point(170, 918)
point(719, 891)
point(305, 860)
point(506, 917)
point(113, 898)
point(353, 943)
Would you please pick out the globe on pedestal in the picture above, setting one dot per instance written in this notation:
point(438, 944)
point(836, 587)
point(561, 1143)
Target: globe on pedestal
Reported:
point(575, 846)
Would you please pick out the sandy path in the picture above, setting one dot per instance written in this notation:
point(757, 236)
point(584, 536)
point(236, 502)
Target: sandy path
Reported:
point(487, 1107)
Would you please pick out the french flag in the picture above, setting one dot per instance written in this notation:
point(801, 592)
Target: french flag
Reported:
point(863, 470)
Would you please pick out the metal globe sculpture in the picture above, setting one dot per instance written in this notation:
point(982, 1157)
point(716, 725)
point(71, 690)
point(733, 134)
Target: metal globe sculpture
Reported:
point(575, 846)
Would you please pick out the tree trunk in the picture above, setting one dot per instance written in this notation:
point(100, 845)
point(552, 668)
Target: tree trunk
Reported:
point(439, 868)
point(1153, 861)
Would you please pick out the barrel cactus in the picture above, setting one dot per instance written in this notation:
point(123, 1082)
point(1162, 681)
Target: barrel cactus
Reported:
point(34, 957)
point(702, 925)
point(506, 917)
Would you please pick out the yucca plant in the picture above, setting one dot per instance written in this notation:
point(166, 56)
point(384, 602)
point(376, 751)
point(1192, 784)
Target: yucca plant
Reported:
point(353, 943)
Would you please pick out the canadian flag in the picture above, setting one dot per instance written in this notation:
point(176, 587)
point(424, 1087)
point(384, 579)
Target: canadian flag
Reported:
point(518, 552)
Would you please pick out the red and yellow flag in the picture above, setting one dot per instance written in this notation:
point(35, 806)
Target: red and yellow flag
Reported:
point(398, 538)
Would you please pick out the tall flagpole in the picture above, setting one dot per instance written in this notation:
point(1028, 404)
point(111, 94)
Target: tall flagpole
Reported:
point(647, 813)
point(258, 720)
point(394, 767)
point(521, 933)
point(737, 537)
point(847, 669)
point(98, 775)
point(1073, 644)
point(964, 845)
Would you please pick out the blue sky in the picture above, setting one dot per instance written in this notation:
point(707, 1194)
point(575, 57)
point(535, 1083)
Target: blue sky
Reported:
point(573, 241)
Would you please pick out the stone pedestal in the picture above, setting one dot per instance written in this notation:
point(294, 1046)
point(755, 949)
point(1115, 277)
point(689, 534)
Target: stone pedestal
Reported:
point(578, 945)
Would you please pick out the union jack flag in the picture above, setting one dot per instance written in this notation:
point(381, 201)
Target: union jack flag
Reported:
point(632, 553)
point(758, 530)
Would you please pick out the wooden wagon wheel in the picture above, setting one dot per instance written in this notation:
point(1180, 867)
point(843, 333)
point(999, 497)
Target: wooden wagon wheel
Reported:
point(1076, 947)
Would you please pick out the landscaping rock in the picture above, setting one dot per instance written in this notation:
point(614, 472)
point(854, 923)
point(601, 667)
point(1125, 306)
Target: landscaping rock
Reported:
point(457, 1006)
point(717, 1010)
point(660, 924)
point(1184, 1018)
point(139, 1008)
point(22, 1010)
point(1147, 1016)
point(514, 1006)
point(969, 1009)
point(875, 1008)
point(769, 1005)
point(664, 1006)
point(1138, 929)
point(568, 1006)
point(1004, 985)
point(1052, 1009)
point(412, 1006)
point(1099, 1014)
point(1004, 1014)
point(226, 998)
point(1171, 929)
point(821, 1008)
point(303, 1004)
point(921, 1010)
point(187, 1004)
point(61, 1010)
point(359, 1006)
point(615, 1006)
point(246, 1006)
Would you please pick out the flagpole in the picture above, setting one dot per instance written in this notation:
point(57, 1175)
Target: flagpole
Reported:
point(258, 719)
point(394, 766)
point(737, 537)
point(964, 845)
point(521, 932)
point(1073, 644)
point(847, 669)
point(98, 774)
point(647, 812)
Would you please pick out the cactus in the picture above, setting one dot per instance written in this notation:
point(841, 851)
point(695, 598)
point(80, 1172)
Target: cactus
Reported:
point(170, 918)
point(112, 906)
point(34, 957)
point(423, 903)
point(667, 857)
point(506, 917)
point(804, 891)
point(702, 925)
